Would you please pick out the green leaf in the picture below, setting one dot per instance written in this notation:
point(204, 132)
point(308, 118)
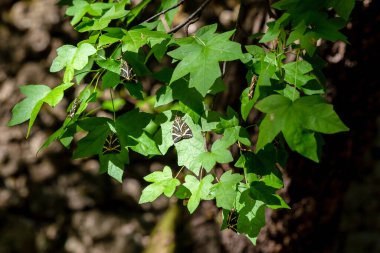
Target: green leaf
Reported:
point(210, 121)
point(92, 144)
point(290, 92)
point(199, 190)
point(131, 128)
point(262, 165)
point(188, 149)
point(163, 137)
point(324, 27)
point(257, 52)
point(135, 89)
point(136, 10)
point(145, 145)
point(297, 120)
point(23, 110)
point(115, 11)
point(231, 130)
point(226, 190)
point(261, 191)
point(182, 192)
point(274, 28)
point(111, 36)
point(246, 103)
point(162, 182)
point(180, 91)
point(98, 129)
point(110, 80)
point(343, 7)
point(136, 38)
point(251, 215)
point(114, 164)
point(113, 106)
point(200, 58)
point(80, 8)
point(296, 72)
point(230, 120)
point(73, 58)
point(28, 108)
point(219, 153)
point(110, 65)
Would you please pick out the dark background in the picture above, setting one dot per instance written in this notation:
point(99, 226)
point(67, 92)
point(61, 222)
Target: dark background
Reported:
point(50, 203)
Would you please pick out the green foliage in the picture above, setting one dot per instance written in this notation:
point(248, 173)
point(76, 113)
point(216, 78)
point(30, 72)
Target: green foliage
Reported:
point(162, 182)
point(298, 121)
point(200, 56)
point(287, 90)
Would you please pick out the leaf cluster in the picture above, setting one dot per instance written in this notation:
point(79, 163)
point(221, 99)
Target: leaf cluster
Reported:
point(285, 83)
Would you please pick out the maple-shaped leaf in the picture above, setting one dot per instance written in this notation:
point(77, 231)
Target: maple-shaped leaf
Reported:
point(200, 56)
point(251, 215)
point(73, 58)
point(199, 190)
point(298, 121)
point(132, 129)
point(99, 131)
point(226, 189)
point(162, 182)
point(36, 95)
point(297, 72)
point(136, 38)
point(188, 149)
point(262, 166)
point(81, 7)
point(219, 153)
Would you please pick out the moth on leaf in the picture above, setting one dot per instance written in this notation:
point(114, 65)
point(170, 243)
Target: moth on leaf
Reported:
point(111, 145)
point(127, 72)
point(232, 220)
point(74, 108)
point(180, 130)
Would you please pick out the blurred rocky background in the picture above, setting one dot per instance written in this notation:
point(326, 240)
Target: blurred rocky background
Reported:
point(50, 203)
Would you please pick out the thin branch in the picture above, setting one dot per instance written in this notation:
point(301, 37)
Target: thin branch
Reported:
point(191, 17)
point(190, 23)
point(237, 28)
point(269, 9)
point(164, 11)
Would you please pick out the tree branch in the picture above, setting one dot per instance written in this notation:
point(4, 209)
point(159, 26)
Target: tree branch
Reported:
point(164, 11)
point(191, 17)
point(269, 9)
point(190, 23)
point(237, 29)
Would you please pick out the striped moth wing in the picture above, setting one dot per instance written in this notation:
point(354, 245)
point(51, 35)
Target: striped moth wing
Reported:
point(180, 130)
point(111, 145)
point(127, 72)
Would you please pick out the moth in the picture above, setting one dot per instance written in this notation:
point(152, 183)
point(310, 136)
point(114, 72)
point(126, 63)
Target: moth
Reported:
point(127, 72)
point(73, 108)
point(251, 91)
point(111, 145)
point(180, 130)
point(232, 220)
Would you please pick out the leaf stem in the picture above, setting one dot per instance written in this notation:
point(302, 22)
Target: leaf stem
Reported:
point(201, 41)
point(179, 171)
point(295, 85)
point(113, 105)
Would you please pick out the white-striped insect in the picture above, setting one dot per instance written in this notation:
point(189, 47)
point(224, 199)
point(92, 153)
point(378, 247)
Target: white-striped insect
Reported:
point(74, 108)
point(127, 72)
point(111, 145)
point(180, 130)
